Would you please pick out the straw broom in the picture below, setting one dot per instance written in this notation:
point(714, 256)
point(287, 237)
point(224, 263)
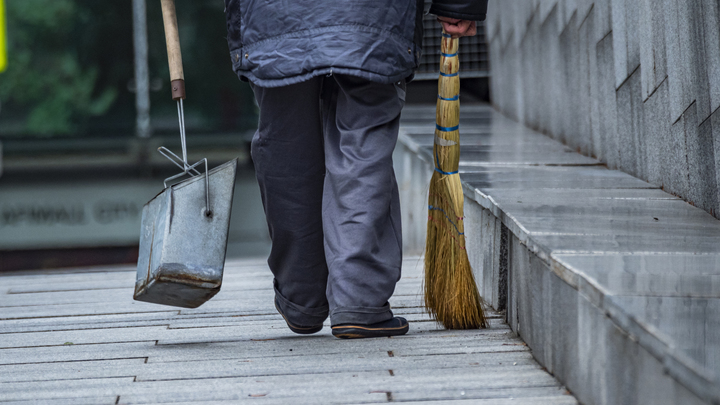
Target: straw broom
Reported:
point(451, 295)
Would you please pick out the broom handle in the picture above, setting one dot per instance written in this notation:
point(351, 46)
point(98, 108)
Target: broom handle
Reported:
point(448, 104)
point(449, 83)
point(172, 41)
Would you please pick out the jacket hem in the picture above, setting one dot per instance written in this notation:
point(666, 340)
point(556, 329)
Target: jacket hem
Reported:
point(287, 81)
point(353, 50)
point(438, 11)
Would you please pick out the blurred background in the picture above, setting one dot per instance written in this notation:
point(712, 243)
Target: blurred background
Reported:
point(85, 103)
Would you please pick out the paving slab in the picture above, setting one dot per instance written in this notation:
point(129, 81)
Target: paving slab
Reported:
point(355, 387)
point(63, 389)
point(514, 155)
point(107, 400)
point(82, 339)
point(544, 177)
point(75, 352)
point(244, 277)
point(73, 370)
point(327, 364)
point(554, 242)
point(362, 387)
point(670, 275)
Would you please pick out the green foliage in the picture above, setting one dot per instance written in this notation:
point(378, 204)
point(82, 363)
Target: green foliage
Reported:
point(70, 69)
point(45, 73)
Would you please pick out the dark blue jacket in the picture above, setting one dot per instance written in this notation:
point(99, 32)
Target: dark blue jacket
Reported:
point(280, 42)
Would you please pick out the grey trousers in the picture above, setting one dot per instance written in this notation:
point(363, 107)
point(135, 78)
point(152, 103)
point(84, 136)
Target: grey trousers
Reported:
point(323, 160)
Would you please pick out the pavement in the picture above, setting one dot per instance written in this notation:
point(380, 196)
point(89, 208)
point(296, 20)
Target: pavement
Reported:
point(75, 336)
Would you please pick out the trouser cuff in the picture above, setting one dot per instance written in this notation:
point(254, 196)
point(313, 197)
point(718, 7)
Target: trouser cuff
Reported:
point(299, 315)
point(360, 315)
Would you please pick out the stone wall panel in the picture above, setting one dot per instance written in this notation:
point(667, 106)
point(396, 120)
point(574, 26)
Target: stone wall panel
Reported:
point(592, 349)
point(614, 79)
point(651, 25)
point(564, 320)
point(597, 137)
point(620, 33)
point(540, 309)
point(473, 214)
point(606, 95)
point(603, 19)
point(489, 231)
point(545, 8)
point(699, 86)
point(571, 110)
point(701, 163)
point(583, 91)
point(583, 11)
point(552, 57)
point(677, 181)
point(532, 73)
point(657, 128)
point(715, 128)
point(523, 14)
point(679, 53)
point(569, 8)
point(496, 84)
point(632, 29)
point(507, 20)
point(711, 20)
point(630, 125)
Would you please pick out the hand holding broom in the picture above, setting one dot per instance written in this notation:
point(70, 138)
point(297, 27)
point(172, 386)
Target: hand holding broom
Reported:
point(451, 295)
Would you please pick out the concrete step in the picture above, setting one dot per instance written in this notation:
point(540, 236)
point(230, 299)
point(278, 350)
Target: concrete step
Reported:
point(613, 283)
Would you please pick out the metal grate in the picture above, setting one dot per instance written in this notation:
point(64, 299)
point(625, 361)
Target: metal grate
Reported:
point(473, 51)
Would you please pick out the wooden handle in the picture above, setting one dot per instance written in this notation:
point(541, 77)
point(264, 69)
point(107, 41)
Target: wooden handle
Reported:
point(172, 40)
point(447, 133)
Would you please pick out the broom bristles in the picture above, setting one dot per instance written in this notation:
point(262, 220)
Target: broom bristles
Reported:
point(451, 295)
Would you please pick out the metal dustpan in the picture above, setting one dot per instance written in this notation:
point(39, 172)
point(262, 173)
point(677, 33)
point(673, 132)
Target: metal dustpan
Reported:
point(184, 230)
point(184, 238)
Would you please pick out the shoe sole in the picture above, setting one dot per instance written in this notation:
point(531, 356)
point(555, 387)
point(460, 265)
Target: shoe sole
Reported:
point(360, 332)
point(297, 329)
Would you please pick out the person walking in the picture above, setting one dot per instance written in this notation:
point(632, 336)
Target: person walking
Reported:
point(329, 77)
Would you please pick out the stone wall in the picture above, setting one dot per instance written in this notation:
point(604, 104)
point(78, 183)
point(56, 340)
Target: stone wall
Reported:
point(634, 83)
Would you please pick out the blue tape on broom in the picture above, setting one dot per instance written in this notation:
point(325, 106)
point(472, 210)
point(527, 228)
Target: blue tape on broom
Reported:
point(447, 129)
point(437, 169)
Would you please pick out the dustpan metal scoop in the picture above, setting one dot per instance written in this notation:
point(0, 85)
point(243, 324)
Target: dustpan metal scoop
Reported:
point(184, 230)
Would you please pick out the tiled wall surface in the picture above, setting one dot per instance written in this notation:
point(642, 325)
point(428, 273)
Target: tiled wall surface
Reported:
point(634, 83)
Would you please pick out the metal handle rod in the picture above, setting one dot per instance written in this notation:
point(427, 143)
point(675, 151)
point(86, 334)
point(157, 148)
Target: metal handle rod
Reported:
point(177, 84)
point(181, 119)
point(177, 161)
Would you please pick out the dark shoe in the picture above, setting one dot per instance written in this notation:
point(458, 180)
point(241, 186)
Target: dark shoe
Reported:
point(302, 330)
point(392, 327)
